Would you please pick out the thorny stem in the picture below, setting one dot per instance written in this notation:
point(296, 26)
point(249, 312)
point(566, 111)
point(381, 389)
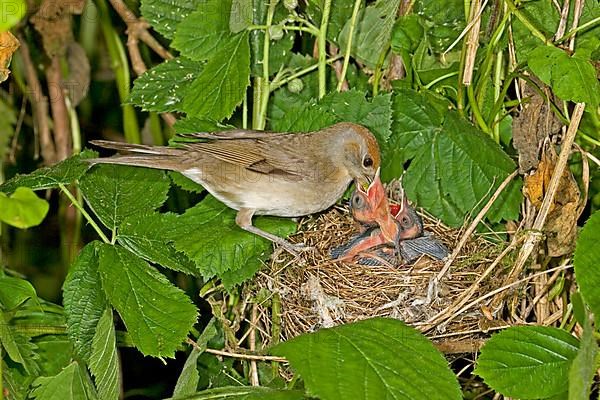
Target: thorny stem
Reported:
point(357, 4)
point(322, 43)
point(85, 214)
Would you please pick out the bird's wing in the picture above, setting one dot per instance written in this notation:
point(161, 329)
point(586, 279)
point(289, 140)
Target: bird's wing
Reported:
point(231, 134)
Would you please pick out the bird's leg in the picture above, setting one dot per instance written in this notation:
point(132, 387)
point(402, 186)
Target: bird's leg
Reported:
point(244, 220)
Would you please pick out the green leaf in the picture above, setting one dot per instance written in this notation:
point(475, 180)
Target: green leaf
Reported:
point(184, 182)
point(163, 87)
point(158, 315)
point(544, 17)
point(340, 13)
point(104, 361)
point(165, 15)
point(587, 259)
point(241, 15)
point(207, 234)
point(245, 393)
point(187, 383)
point(280, 50)
point(202, 34)
point(14, 292)
point(115, 192)
point(55, 353)
point(143, 234)
point(581, 374)
point(455, 167)
point(407, 34)
point(571, 78)
point(221, 86)
point(22, 209)
point(72, 383)
point(303, 118)
point(8, 341)
point(444, 20)
point(514, 361)
point(84, 299)
point(64, 172)
point(373, 31)
point(354, 361)
point(12, 12)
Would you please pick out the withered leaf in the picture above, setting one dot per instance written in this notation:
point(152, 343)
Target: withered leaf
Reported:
point(8, 45)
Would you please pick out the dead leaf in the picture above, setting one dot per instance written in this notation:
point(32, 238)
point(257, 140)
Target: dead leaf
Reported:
point(8, 45)
point(561, 223)
point(77, 83)
point(532, 126)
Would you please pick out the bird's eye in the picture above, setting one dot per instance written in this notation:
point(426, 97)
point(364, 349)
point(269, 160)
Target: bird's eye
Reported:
point(367, 161)
point(357, 201)
point(405, 222)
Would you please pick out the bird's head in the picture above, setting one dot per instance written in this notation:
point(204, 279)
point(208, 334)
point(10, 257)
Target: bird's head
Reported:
point(360, 152)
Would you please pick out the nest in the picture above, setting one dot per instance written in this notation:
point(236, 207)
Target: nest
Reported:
point(314, 291)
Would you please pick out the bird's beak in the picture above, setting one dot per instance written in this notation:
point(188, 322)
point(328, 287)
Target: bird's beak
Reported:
point(365, 182)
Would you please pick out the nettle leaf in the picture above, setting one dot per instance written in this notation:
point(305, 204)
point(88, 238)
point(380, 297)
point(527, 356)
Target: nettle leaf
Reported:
point(144, 235)
point(407, 34)
point(354, 361)
point(241, 15)
point(165, 15)
point(84, 299)
point(544, 16)
point(455, 167)
point(65, 172)
point(587, 259)
point(185, 183)
point(207, 234)
point(515, 361)
point(306, 117)
point(158, 315)
point(18, 347)
point(22, 209)
point(72, 383)
point(204, 32)
point(104, 361)
point(115, 192)
point(444, 21)
point(221, 86)
point(571, 78)
point(163, 87)
point(14, 292)
point(373, 31)
point(583, 369)
point(246, 393)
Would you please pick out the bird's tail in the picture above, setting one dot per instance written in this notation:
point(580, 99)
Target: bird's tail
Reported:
point(140, 155)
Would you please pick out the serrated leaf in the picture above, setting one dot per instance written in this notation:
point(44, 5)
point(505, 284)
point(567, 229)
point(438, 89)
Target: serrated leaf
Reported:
point(187, 383)
point(104, 361)
point(158, 315)
point(514, 361)
point(185, 183)
point(544, 17)
point(14, 292)
point(207, 234)
point(115, 192)
point(202, 34)
point(84, 299)
point(72, 383)
point(241, 15)
point(245, 393)
point(8, 341)
point(143, 235)
point(22, 209)
point(64, 172)
point(354, 361)
point(444, 21)
point(165, 15)
point(581, 374)
point(407, 34)
point(303, 118)
point(373, 31)
point(55, 353)
point(163, 87)
point(455, 167)
point(587, 259)
point(221, 86)
point(571, 78)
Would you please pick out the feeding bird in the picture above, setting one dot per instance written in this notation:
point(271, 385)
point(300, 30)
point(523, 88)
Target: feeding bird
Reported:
point(265, 173)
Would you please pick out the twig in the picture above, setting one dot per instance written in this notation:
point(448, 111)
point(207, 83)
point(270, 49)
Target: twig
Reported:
point(241, 356)
point(562, 25)
point(472, 41)
point(39, 104)
point(473, 226)
point(466, 30)
point(534, 236)
point(542, 292)
point(577, 14)
point(252, 341)
point(58, 106)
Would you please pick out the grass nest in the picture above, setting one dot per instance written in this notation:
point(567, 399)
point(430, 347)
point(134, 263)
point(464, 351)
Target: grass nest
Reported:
point(314, 291)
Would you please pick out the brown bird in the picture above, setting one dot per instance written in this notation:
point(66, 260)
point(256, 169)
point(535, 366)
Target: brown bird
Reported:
point(266, 173)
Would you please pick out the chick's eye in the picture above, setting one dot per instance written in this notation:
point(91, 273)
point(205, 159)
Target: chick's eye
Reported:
point(367, 162)
point(357, 201)
point(405, 221)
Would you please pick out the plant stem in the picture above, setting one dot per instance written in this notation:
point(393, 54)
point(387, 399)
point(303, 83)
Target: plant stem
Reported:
point(579, 29)
point(377, 74)
point(84, 213)
point(497, 91)
point(276, 84)
point(439, 79)
point(322, 43)
point(476, 112)
point(264, 91)
point(357, 4)
point(528, 24)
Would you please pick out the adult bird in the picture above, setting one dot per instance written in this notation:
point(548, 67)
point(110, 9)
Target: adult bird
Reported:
point(265, 173)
